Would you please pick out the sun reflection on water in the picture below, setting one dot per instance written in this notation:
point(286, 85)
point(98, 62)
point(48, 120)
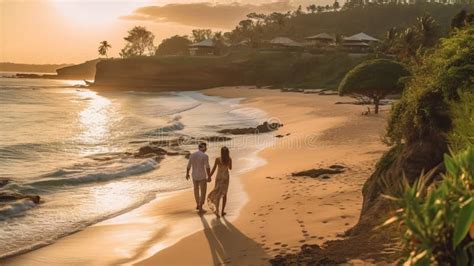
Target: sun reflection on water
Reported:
point(95, 121)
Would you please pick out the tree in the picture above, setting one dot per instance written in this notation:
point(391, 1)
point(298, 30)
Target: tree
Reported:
point(374, 79)
point(200, 35)
point(139, 40)
point(336, 5)
point(320, 9)
point(104, 47)
point(176, 45)
point(428, 30)
point(311, 8)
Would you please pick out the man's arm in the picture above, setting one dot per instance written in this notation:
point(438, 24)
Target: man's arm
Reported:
point(188, 168)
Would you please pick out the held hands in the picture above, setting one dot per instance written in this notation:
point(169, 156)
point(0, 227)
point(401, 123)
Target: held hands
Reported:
point(209, 179)
point(187, 176)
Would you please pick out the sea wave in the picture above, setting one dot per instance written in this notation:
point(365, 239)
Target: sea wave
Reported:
point(174, 124)
point(9, 209)
point(77, 177)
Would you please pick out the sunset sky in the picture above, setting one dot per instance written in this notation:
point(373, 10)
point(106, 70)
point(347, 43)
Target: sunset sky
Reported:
point(69, 31)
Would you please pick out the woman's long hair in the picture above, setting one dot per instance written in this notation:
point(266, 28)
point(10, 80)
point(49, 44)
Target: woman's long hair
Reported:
point(225, 157)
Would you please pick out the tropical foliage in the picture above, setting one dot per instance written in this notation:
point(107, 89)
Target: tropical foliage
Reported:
point(176, 45)
point(443, 79)
point(438, 222)
point(104, 47)
point(374, 79)
point(139, 41)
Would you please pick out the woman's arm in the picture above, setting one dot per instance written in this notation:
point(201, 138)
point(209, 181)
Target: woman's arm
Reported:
point(230, 163)
point(214, 168)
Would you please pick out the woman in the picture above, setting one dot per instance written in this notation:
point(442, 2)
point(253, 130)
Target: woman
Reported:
point(223, 165)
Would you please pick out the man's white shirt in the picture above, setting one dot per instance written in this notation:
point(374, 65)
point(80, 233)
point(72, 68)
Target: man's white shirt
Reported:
point(199, 162)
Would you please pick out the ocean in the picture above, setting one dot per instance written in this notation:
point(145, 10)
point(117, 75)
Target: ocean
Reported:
point(73, 147)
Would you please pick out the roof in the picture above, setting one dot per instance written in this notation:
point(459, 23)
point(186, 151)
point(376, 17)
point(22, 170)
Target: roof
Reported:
point(362, 44)
point(285, 41)
point(205, 43)
point(321, 36)
point(361, 37)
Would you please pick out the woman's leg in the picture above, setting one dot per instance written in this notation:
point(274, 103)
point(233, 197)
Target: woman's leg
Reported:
point(224, 201)
point(217, 207)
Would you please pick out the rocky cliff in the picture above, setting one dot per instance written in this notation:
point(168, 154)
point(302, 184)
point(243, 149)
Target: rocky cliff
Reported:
point(172, 73)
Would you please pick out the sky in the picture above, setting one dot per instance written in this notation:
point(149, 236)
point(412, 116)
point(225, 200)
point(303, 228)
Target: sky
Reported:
point(69, 31)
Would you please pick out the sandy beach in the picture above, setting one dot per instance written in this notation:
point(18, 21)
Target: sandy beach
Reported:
point(279, 212)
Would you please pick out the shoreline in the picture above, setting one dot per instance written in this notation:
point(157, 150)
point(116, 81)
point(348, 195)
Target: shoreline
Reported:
point(317, 126)
point(150, 210)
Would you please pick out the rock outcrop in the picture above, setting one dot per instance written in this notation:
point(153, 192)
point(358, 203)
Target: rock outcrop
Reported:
point(262, 128)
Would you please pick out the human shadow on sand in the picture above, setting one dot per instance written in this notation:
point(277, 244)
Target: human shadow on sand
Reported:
point(228, 245)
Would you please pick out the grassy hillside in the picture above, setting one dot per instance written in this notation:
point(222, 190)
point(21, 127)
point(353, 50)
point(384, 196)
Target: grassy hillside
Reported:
point(239, 68)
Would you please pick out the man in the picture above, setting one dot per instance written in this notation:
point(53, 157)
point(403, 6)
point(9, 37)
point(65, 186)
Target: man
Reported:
point(199, 162)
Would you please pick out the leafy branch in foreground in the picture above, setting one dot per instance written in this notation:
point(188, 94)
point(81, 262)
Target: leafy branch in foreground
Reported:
point(438, 221)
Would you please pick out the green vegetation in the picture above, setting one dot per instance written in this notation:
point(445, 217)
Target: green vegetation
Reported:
point(139, 40)
point(435, 222)
point(374, 79)
point(297, 70)
point(438, 83)
point(104, 47)
point(176, 45)
point(356, 16)
point(407, 43)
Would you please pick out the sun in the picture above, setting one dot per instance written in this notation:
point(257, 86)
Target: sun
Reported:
point(96, 11)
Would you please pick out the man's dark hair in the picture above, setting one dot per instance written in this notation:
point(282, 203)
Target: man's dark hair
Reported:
point(202, 145)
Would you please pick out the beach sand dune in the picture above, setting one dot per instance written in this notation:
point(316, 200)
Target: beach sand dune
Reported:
point(283, 211)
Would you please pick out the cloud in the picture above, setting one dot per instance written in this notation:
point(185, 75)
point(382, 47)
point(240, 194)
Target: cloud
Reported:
point(206, 15)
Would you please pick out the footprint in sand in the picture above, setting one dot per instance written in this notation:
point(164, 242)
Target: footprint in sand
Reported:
point(320, 238)
point(325, 222)
point(309, 212)
point(277, 243)
point(302, 241)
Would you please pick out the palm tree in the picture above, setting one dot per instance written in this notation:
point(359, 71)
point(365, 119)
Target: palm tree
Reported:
point(104, 47)
point(427, 28)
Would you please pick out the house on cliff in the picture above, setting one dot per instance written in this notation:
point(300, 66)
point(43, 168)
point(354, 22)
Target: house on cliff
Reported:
point(205, 47)
point(359, 42)
point(284, 42)
point(321, 40)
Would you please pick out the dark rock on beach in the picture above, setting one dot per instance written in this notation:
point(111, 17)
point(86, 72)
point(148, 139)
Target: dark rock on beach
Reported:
point(9, 197)
point(4, 182)
point(333, 169)
point(262, 128)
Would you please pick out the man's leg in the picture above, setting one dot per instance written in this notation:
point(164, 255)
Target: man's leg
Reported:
point(203, 186)
point(196, 193)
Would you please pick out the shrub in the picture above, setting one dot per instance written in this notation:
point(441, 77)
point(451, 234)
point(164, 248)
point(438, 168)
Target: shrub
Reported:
point(436, 222)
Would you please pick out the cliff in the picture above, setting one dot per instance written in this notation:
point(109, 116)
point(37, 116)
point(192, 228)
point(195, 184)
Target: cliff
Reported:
point(85, 70)
point(166, 73)
point(270, 68)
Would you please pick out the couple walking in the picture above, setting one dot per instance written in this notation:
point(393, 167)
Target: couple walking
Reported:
point(201, 175)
